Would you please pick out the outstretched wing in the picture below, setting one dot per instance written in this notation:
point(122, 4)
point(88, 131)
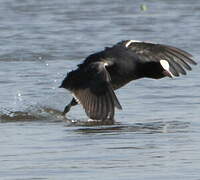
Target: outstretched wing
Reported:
point(97, 98)
point(172, 59)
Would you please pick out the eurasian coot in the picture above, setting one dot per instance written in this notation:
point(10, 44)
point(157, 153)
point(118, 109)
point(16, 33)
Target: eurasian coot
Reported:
point(93, 83)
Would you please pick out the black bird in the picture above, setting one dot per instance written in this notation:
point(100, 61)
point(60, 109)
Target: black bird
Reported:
point(93, 83)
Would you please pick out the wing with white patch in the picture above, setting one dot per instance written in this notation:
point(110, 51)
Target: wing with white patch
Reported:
point(178, 60)
point(97, 98)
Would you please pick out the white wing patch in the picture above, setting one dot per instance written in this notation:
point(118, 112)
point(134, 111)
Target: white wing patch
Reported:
point(130, 42)
point(93, 120)
point(105, 64)
point(136, 41)
point(165, 65)
point(77, 100)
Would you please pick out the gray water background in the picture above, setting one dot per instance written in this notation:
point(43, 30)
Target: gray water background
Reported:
point(155, 137)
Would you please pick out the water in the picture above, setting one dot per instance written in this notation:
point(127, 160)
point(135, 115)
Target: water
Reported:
point(156, 136)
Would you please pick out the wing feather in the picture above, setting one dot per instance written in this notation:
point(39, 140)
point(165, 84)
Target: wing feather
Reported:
point(98, 98)
point(178, 59)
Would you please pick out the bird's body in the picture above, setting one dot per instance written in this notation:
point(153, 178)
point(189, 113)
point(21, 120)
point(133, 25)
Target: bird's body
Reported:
point(94, 81)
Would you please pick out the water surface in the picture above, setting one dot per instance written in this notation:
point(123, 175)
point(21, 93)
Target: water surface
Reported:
point(156, 136)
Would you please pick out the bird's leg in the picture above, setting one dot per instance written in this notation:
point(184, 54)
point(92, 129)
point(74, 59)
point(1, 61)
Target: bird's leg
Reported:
point(68, 107)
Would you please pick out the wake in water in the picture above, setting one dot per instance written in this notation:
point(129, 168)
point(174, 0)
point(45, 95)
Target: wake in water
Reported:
point(45, 114)
point(51, 115)
point(27, 108)
point(49, 110)
point(143, 128)
point(32, 114)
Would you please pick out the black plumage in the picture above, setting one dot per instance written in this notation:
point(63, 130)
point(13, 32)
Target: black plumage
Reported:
point(94, 81)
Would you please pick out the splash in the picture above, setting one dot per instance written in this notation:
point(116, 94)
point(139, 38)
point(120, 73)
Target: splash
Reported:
point(44, 114)
point(31, 114)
